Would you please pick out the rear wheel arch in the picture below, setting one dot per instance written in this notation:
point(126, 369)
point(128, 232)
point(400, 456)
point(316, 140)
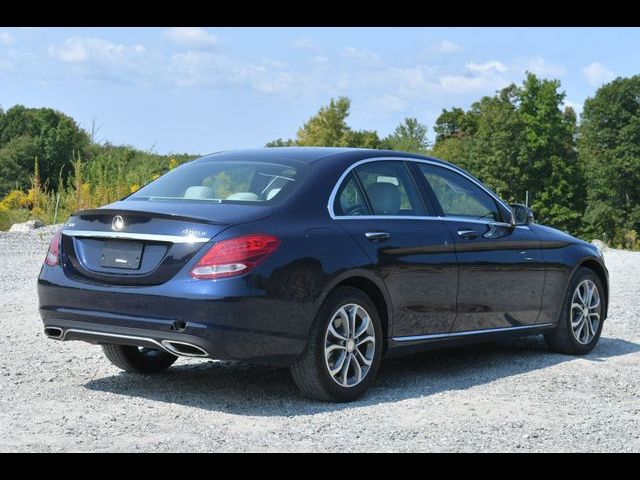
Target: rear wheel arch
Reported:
point(375, 290)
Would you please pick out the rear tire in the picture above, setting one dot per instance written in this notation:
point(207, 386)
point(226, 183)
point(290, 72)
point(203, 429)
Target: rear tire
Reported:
point(577, 332)
point(137, 359)
point(346, 337)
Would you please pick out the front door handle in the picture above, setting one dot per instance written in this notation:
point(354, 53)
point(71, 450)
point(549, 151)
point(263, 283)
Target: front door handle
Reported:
point(377, 236)
point(468, 234)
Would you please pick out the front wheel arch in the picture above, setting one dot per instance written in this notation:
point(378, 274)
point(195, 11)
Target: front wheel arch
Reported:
point(599, 270)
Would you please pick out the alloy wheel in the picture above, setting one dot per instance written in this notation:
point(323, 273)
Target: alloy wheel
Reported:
point(585, 312)
point(349, 345)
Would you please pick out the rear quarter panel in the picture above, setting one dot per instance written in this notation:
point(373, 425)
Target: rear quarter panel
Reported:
point(289, 286)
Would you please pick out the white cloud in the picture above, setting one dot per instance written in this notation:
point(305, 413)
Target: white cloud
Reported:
point(464, 84)
point(597, 74)
point(361, 54)
point(445, 46)
point(6, 38)
point(487, 67)
point(388, 85)
point(305, 44)
point(542, 68)
point(82, 50)
point(388, 102)
point(194, 37)
point(269, 62)
point(197, 68)
point(577, 107)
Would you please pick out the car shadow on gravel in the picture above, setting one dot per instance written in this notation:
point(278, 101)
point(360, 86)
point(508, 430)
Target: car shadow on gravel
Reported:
point(260, 390)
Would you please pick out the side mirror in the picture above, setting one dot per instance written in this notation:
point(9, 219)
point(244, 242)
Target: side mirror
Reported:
point(522, 215)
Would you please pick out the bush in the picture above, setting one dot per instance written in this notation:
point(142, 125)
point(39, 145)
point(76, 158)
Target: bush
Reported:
point(9, 217)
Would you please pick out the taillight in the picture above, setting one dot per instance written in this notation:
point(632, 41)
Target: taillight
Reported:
point(53, 254)
point(234, 256)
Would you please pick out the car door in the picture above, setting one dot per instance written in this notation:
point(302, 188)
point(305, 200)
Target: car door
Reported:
point(413, 252)
point(502, 270)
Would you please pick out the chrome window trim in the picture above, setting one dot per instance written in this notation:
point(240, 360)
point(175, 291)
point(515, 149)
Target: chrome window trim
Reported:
point(336, 187)
point(422, 218)
point(435, 336)
point(135, 236)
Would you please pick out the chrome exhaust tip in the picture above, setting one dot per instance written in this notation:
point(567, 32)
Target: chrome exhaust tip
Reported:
point(54, 332)
point(183, 349)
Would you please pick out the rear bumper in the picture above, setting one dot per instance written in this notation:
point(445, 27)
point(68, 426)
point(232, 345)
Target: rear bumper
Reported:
point(229, 321)
point(174, 343)
point(193, 341)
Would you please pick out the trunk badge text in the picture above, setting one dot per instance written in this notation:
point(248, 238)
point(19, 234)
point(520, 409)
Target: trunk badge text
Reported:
point(189, 232)
point(117, 223)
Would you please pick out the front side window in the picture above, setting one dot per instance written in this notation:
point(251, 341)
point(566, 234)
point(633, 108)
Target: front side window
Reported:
point(389, 189)
point(223, 182)
point(459, 196)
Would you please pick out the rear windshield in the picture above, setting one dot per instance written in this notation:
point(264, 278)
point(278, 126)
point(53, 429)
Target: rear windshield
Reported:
point(223, 182)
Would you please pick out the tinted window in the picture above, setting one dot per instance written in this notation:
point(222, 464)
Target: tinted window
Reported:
point(220, 182)
point(389, 189)
point(350, 200)
point(459, 196)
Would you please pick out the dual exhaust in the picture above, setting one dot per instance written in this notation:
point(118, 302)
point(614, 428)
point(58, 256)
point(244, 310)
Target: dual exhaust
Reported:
point(174, 347)
point(54, 332)
point(183, 349)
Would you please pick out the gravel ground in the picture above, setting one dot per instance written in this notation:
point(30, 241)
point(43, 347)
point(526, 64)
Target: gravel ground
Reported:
point(513, 396)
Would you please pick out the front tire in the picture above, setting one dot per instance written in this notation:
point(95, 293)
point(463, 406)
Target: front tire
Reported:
point(581, 319)
point(344, 351)
point(138, 359)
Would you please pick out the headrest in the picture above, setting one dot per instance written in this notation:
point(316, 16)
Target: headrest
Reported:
point(244, 196)
point(384, 198)
point(199, 192)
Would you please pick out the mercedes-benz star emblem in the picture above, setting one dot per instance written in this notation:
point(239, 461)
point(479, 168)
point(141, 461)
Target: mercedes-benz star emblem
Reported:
point(117, 223)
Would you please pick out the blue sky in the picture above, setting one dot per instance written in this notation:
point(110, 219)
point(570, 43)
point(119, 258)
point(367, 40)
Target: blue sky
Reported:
point(199, 90)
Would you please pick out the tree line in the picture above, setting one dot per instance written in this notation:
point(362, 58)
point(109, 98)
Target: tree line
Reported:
point(523, 142)
point(50, 167)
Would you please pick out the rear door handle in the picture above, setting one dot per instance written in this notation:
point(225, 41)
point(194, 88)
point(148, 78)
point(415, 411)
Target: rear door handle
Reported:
point(377, 236)
point(468, 234)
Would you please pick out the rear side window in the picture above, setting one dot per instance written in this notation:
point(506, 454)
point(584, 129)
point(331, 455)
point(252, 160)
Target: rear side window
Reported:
point(459, 196)
point(350, 200)
point(389, 189)
point(223, 182)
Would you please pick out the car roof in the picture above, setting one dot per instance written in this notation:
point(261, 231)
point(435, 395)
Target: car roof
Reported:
point(310, 155)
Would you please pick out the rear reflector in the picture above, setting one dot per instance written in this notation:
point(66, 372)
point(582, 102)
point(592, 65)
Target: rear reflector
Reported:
point(235, 256)
point(53, 254)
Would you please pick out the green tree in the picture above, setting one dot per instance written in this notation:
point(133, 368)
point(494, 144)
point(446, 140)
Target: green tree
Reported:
point(47, 133)
point(281, 143)
point(451, 123)
point(328, 128)
point(363, 139)
point(409, 136)
point(609, 149)
point(555, 177)
point(517, 141)
point(16, 163)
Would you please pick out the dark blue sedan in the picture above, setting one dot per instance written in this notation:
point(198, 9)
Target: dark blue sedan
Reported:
point(321, 259)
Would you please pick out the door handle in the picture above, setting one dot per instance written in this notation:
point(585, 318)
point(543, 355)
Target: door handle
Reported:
point(466, 233)
point(377, 236)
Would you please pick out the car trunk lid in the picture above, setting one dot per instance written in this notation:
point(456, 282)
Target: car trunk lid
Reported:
point(144, 242)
